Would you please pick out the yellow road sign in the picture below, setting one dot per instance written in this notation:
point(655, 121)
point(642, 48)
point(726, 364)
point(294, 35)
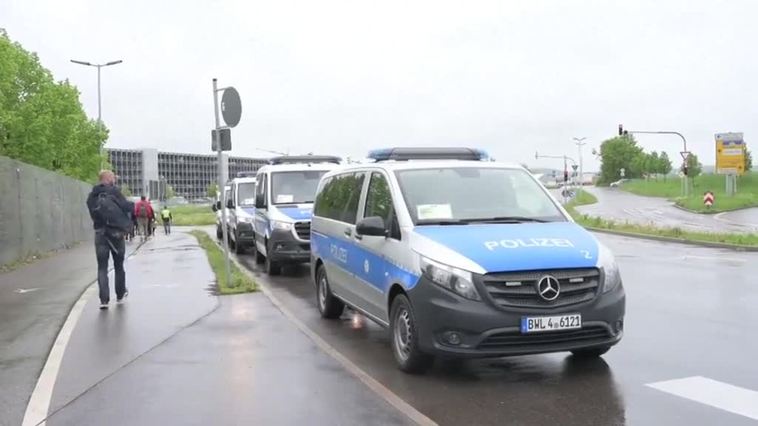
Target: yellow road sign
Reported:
point(730, 153)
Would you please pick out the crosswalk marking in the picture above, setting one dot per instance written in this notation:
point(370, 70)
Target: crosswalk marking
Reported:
point(711, 392)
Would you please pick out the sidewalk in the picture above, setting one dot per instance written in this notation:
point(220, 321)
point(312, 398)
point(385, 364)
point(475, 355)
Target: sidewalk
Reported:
point(175, 354)
point(34, 302)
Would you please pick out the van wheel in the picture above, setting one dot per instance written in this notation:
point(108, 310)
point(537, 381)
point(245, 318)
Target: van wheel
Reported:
point(329, 306)
point(259, 259)
point(238, 247)
point(590, 353)
point(272, 268)
point(404, 338)
point(219, 232)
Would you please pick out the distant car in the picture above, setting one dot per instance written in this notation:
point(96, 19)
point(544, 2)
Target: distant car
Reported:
point(618, 183)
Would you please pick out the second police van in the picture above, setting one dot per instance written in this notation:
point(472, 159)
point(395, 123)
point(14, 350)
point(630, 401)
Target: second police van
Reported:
point(240, 212)
point(461, 257)
point(283, 206)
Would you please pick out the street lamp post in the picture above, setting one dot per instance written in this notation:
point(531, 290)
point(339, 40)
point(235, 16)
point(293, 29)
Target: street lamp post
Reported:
point(579, 143)
point(99, 102)
point(98, 66)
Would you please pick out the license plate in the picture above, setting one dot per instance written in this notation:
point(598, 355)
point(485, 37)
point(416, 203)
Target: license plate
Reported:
point(552, 323)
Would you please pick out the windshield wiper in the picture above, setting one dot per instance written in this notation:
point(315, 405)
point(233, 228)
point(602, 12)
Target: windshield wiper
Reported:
point(505, 219)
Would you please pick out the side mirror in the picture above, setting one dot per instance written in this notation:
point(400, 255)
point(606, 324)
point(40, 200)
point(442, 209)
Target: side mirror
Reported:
point(260, 202)
point(372, 226)
point(229, 204)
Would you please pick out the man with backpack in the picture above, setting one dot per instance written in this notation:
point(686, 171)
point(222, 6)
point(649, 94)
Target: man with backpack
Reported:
point(166, 217)
point(143, 211)
point(110, 217)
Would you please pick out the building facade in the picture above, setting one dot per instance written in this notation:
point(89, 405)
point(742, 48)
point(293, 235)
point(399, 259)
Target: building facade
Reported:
point(150, 173)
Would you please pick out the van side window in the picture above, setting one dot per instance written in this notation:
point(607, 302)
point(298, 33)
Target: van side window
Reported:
point(379, 203)
point(340, 196)
point(260, 188)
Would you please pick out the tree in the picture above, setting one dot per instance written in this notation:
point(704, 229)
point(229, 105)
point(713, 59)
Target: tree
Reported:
point(170, 192)
point(619, 153)
point(694, 167)
point(126, 191)
point(664, 164)
point(42, 121)
point(654, 164)
point(212, 190)
point(748, 161)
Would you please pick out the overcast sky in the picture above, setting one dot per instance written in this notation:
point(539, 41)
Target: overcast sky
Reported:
point(342, 77)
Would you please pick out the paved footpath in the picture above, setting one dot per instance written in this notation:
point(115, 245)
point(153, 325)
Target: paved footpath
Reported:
point(174, 353)
point(34, 302)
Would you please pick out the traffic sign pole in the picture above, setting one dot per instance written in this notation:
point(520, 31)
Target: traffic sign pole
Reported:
point(221, 182)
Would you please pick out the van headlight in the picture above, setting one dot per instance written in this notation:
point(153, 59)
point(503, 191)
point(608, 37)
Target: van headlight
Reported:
point(284, 226)
point(611, 275)
point(453, 279)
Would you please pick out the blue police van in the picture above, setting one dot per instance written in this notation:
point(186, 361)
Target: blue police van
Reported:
point(461, 257)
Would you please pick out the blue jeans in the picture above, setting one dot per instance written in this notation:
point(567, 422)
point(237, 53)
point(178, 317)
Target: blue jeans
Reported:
point(107, 243)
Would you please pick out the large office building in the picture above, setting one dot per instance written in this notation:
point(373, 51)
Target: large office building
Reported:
point(149, 172)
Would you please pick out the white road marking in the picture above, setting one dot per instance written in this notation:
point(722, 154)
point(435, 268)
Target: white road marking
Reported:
point(25, 290)
point(39, 402)
point(724, 396)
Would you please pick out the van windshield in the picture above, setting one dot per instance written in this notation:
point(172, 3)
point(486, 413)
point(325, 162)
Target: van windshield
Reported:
point(475, 195)
point(298, 187)
point(246, 194)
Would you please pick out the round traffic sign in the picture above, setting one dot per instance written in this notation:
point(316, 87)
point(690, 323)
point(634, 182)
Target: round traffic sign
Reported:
point(231, 107)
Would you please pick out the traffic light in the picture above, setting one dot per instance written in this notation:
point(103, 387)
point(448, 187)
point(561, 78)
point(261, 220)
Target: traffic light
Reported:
point(621, 129)
point(565, 175)
point(684, 169)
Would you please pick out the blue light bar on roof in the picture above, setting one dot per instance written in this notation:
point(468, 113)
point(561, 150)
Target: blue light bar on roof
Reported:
point(428, 153)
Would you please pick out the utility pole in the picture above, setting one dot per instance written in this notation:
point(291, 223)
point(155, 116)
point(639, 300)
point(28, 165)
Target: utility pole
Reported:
point(221, 184)
point(685, 154)
point(579, 143)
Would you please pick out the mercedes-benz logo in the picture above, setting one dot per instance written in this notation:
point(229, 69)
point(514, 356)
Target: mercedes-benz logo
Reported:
point(548, 287)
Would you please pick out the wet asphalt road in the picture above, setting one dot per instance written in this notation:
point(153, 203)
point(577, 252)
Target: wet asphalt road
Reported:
point(619, 205)
point(690, 312)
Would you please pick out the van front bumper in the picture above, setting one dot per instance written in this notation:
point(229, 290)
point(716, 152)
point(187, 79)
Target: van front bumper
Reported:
point(283, 247)
point(483, 330)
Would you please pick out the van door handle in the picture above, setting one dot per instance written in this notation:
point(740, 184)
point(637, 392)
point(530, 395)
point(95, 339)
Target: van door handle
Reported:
point(358, 236)
point(348, 232)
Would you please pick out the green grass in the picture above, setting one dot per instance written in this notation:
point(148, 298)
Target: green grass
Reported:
point(191, 215)
point(747, 192)
point(584, 198)
point(240, 283)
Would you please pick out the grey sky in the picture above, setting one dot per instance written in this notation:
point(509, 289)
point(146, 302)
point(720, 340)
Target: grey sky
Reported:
point(342, 77)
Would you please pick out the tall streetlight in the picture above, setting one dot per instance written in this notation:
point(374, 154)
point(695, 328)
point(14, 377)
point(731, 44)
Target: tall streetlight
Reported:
point(98, 66)
point(579, 143)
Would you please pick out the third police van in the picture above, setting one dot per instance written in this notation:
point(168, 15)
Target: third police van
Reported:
point(283, 206)
point(461, 257)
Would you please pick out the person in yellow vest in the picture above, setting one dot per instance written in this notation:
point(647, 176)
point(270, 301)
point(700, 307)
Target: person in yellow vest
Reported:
point(167, 218)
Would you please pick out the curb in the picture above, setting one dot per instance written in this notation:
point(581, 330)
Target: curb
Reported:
point(734, 247)
point(706, 213)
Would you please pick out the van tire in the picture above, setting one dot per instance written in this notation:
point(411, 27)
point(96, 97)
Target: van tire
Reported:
point(219, 232)
point(328, 305)
point(404, 338)
point(591, 352)
point(259, 259)
point(238, 248)
point(272, 268)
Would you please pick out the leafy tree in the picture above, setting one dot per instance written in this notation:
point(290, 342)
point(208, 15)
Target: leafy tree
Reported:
point(42, 121)
point(694, 167)
point(126, 191)
point(212, 190)
point(619, 153)
point(170, 192)
point(664, 164)
point(654, 164)
point(748, 161)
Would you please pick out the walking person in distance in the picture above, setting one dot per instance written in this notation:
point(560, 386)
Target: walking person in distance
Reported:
point(166, 217)
point(110, 218)
point(143, 211)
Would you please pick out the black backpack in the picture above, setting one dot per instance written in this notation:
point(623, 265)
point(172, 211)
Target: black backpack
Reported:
point(110, 213)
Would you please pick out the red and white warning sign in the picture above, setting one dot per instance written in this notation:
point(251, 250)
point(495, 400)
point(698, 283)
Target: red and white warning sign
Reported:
point(708, 199)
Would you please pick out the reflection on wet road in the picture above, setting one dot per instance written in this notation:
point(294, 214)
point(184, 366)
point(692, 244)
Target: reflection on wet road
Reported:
point(689, 313)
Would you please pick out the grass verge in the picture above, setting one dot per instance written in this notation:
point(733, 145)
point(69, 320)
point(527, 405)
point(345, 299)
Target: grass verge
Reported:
point(192, 215)
point(671, 188)
point(240, 283)
point(590, 222)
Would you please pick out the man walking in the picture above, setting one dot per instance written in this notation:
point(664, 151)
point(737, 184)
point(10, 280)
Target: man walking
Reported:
point(166, 217)
point(143, 211)
point(110, 217)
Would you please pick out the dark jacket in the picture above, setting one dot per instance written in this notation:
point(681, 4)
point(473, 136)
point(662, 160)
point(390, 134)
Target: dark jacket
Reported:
point(125, 204)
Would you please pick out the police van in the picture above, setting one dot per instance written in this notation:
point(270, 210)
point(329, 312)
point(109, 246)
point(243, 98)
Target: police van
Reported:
point(219, 213)
point(283, 207)
point(461, 257)
point(241, 211)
